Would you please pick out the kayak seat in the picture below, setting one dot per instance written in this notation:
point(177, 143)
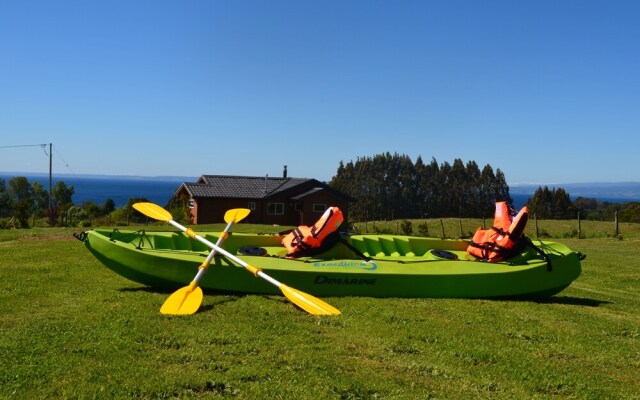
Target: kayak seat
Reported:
point(382, 247)
point(162, 242)
point(403, 247)
point(182, 242)
point(373, 248)
point(389, 247)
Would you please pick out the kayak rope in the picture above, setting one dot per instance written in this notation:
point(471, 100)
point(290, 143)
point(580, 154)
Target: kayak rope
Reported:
point(540, 251)
point(130, 237)
point(82, 236)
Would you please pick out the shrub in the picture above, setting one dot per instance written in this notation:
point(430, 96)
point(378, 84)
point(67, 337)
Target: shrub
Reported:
point(423, 229)
point(407, 227)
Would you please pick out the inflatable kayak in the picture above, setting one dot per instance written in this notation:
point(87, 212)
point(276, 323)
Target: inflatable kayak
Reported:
point(357, 265)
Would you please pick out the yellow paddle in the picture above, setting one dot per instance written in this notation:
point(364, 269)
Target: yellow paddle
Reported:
point(305, 301)
point(187, 300)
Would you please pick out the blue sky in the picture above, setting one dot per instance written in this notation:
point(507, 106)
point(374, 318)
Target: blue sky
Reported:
point(547, 91)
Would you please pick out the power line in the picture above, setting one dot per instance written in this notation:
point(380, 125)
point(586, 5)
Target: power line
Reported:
point(44, 148)
point(43, 145)
point(55, 149)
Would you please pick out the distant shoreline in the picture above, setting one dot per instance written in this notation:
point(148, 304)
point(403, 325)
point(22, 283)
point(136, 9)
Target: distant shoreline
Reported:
point(99, 188)
point(159, 189)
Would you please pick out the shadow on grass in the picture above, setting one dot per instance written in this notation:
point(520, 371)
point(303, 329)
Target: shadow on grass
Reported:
point(573, 301)
point(220, 297)
point(227, 299)
point(147, 289)
point(566, 300)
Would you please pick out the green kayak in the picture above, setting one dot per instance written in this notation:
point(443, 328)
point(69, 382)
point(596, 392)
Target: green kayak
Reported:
point(360, 265)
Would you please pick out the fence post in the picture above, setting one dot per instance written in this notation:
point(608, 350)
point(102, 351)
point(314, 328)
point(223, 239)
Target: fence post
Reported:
point(460, 223)
point(535, 219)
point(616, 230)
point(442, 226)
point(579, 226)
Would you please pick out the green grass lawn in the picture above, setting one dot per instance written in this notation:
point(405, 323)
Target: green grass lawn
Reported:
point(70, 328)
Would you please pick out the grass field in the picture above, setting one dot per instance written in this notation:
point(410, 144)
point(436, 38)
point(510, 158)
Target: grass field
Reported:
point(70, 328)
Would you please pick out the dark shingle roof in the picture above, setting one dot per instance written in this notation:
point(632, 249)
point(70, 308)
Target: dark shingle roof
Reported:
point(248, 187)
point(307, 193)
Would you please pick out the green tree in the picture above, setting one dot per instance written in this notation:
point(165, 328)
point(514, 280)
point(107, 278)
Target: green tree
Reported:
point(446, 195)
point(40, 198)
point(473, 190)
point(551, 204)
point(486, 196)
point(20, 199)
point(61, 201)
point(540, 203)
point(5, 206)
point(134, 215)
point(62, 196)
point(630, 212)
point(77, 216)
point(108, 207)
point(179, 209)
point(562, 207)
point(91, 210)
point(428, 176)
point(501, 188)
point(459, 187)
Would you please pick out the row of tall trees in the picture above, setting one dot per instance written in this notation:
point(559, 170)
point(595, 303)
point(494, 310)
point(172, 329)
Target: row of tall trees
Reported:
point(551, 204)
point(392, 186)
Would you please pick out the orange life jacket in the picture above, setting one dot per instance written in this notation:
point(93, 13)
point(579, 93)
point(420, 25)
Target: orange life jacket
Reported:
point(303, 240)
point(505, 238)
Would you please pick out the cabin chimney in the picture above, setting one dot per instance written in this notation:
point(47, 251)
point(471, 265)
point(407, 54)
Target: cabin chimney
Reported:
point(284, 172)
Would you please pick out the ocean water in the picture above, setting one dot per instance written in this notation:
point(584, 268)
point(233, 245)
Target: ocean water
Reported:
point(120, 189)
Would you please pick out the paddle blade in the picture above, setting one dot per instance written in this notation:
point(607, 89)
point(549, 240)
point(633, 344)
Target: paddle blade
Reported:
point(307, 302)
point(183, 301)
point(236, 215)
point(153, 211)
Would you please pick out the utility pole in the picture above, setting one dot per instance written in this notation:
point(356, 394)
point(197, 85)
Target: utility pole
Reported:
point(50, 171)
point(50, 213)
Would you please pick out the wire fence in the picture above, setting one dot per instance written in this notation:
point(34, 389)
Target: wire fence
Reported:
point(464, 228)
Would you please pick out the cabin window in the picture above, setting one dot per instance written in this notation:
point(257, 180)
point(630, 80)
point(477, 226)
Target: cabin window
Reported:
point(192, 203)
point(297, 206)
point(319, 208)
point(275, 209)
point(252, 205)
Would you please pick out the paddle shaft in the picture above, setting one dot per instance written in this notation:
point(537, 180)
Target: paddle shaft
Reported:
point(225, 253)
